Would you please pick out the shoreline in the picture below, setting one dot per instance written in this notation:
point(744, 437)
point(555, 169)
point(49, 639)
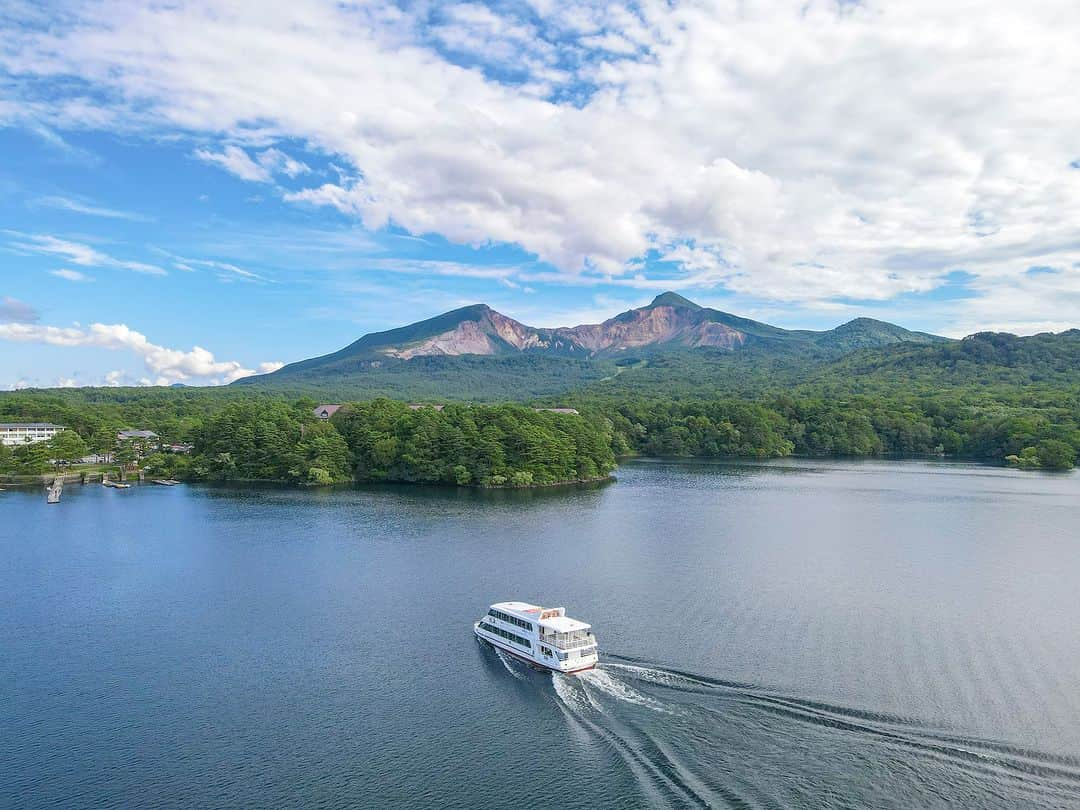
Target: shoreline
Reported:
point(70, 478)
point(14, 481)
point(400, 482)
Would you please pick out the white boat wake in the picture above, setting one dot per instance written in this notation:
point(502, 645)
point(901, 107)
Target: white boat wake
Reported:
point(509, 663)
point(601, 680)
point(688, 740)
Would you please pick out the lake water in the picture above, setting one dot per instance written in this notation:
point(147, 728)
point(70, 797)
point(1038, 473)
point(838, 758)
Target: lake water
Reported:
point(785, 634)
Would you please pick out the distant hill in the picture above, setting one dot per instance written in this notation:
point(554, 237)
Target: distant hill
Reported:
point(478, 353)
point(983, 359)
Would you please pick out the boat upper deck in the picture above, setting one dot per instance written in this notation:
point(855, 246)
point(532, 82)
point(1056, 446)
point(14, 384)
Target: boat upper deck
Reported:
point(553, 619)
point(563, 624)
point(522, 609)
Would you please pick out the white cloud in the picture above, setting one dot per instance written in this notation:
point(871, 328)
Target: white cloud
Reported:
point(166, 365)
point(261, 169)
point(788, 150)
point(78, 253)
point(70, 275)
point(236, 161)
point(274, 160)
point(54, 139)
point(431, 267)
point(226, 268)
point(82, 207)
point(349, 199)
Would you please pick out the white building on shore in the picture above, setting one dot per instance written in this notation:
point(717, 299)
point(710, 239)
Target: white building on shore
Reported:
point(14, 434)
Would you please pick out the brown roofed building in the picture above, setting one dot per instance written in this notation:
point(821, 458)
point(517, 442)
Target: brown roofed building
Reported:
point(326, 411)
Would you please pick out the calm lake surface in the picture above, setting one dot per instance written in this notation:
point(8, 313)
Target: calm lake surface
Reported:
point(786, 634)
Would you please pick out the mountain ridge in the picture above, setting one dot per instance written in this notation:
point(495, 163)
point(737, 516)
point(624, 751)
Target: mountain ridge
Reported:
point(669, 321)
point(474, 335)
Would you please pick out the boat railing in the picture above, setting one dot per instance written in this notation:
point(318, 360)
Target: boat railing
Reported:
point(568, 645)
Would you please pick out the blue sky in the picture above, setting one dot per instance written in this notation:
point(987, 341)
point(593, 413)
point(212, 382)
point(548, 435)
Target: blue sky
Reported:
point(195, 192)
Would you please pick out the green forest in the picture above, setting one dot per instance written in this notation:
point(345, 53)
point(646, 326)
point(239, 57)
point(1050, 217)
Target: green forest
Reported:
point(855, 426)
point(245, 434)
point(382, 440)
point(263, 438)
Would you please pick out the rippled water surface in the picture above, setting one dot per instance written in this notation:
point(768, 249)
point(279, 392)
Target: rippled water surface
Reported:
point(787, 634)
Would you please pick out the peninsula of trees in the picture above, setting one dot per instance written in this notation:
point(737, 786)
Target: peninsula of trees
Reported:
point(491, 446)
point(270, 439)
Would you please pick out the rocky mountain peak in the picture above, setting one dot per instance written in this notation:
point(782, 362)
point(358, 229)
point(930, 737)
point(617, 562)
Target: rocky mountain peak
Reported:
point(672, 299)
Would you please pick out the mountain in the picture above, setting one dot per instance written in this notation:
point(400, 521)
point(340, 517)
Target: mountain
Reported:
point(476, 352)
point(984, 359)
point(479, 330)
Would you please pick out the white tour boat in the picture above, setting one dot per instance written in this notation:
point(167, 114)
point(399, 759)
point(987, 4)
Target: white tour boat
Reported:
point(543, 637)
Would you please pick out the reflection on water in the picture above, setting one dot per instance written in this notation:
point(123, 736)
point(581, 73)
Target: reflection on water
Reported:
point(780, 634)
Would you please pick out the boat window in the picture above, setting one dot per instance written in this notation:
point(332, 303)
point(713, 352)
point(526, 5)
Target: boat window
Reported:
point(524, 642)
point(506, 617)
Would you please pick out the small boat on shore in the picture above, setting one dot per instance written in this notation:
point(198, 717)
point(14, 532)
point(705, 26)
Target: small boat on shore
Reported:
point(545, 638)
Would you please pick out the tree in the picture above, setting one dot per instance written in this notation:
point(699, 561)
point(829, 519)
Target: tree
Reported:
point(103, 439)
point(67, 447)
point(1028, 457)
point(1055, 455)
point(317, 475)
point(324, 454)
point(34, 458)
point(125, 455)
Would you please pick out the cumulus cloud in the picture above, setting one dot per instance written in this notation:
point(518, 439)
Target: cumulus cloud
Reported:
point(12, 310)
point(1046, 301)
point(791, 150)
point(78, 253)
point(165, 365)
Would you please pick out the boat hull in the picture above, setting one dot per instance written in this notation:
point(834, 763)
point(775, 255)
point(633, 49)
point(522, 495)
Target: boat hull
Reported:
point(532, 662)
